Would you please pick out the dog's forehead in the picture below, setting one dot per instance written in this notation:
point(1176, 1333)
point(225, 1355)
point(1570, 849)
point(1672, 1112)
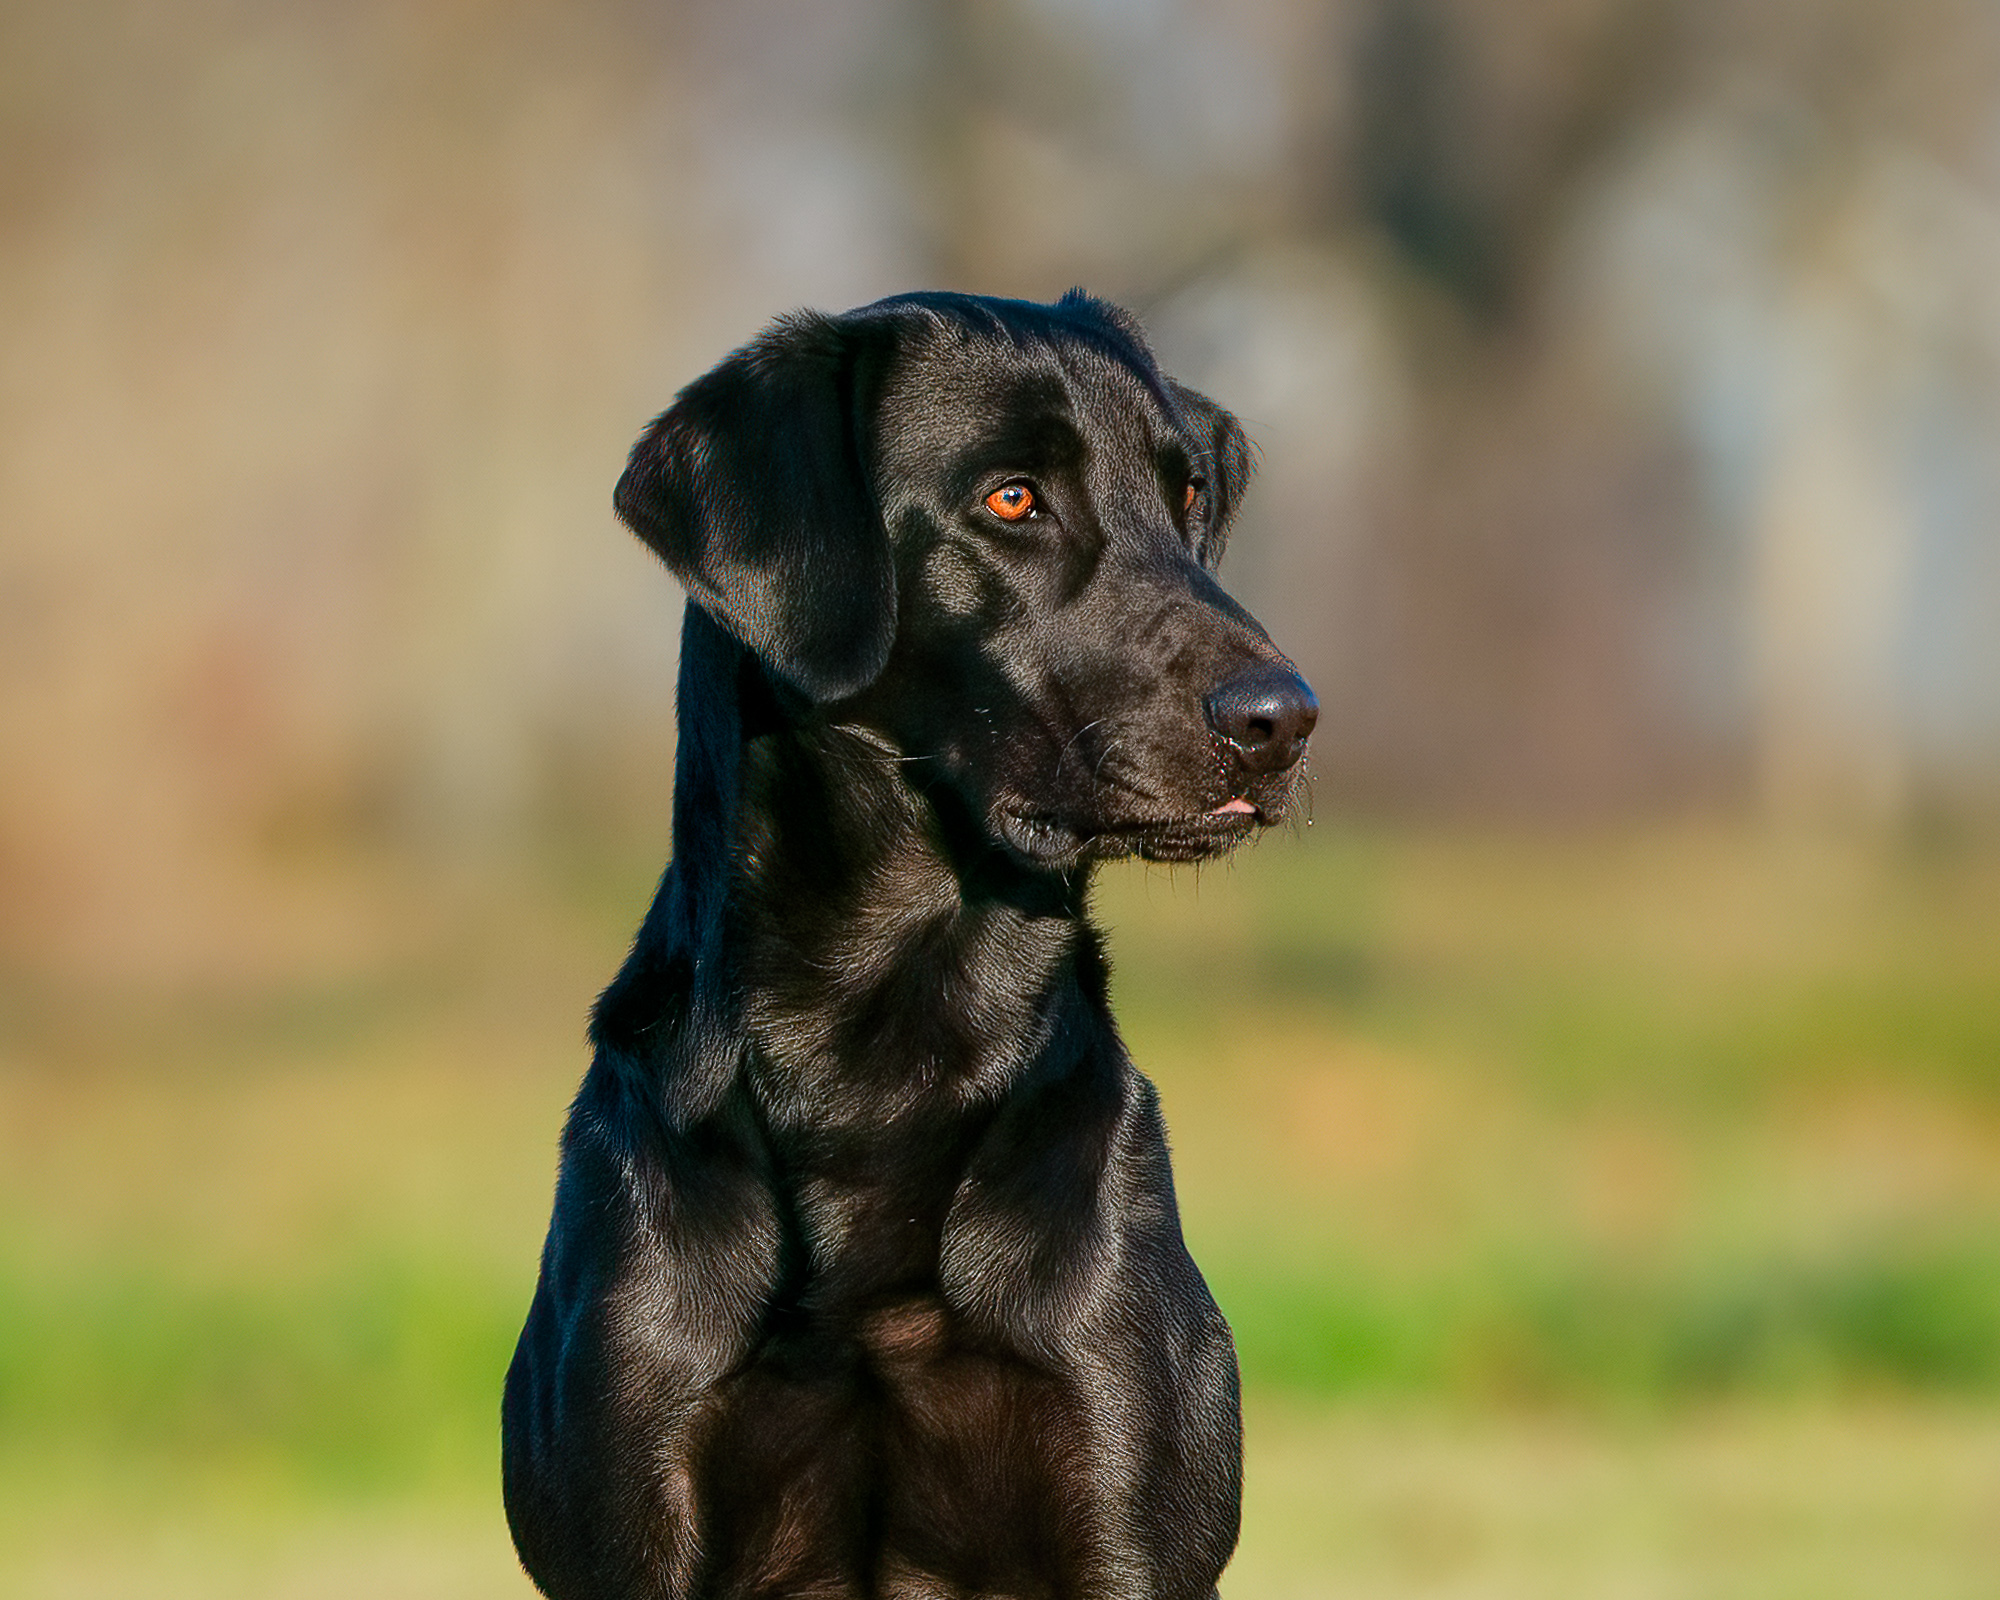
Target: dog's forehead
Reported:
point(1033, 399)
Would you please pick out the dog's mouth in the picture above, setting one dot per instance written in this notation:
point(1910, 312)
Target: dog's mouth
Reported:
point(1051, 840)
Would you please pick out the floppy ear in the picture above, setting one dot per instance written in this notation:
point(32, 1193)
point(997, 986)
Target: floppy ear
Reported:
point(750, 487)
point(1221, 444)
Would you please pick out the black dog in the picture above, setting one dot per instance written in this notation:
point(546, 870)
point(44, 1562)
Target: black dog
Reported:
point(865, 1276)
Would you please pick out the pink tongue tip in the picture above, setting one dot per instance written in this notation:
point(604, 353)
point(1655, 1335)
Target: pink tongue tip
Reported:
point(1234, 808)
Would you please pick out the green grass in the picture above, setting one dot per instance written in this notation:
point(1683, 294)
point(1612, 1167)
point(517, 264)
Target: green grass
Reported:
point(379, 1377)
point(1671, 966)
point(1657, 1126)
point(1600, 1331)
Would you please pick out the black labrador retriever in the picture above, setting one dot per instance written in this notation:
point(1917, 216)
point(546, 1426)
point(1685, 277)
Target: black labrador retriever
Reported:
point(865, 1276)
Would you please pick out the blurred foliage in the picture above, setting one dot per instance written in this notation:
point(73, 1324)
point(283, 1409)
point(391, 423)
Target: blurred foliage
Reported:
point(1624, 374)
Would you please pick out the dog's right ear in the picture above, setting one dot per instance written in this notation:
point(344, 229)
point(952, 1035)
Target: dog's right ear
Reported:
point(1220, 443)
point(751, 489)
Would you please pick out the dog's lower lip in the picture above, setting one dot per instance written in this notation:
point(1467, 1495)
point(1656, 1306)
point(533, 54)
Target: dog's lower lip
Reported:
point(1232, 812)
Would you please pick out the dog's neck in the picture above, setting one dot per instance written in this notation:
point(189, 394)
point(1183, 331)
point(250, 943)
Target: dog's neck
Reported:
point(848, 922)
point(887, 949)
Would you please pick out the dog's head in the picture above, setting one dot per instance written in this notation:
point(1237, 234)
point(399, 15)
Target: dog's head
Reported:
point(985, 532)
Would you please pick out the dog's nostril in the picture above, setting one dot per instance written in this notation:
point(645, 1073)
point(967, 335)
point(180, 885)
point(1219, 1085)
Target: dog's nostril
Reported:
point(1264, 715)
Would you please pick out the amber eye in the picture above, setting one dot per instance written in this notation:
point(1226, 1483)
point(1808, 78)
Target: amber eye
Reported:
point(1011, 502)
point(1194, 489)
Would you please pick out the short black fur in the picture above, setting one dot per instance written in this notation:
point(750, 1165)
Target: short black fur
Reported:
point(865, 1276)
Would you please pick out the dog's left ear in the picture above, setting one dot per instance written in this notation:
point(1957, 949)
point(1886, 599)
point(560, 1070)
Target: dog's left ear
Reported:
point(751, 489)
point(1225, 449)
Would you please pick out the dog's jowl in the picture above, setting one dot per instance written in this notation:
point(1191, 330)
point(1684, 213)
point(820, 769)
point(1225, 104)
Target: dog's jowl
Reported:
point(865, 1276)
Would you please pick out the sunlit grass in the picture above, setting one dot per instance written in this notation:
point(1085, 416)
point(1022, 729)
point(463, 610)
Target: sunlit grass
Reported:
point(1725, 1503)
point(1626, 1120)
point(1483, 1142)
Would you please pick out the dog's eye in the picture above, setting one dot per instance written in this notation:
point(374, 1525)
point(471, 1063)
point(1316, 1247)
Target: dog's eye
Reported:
point(1194, 492)
point(1011, 502)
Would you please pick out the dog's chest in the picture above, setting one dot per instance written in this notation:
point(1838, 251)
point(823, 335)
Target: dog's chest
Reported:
point(894, 1449)
point(867, 1208)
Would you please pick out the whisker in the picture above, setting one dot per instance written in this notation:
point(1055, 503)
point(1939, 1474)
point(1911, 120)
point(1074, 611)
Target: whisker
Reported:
point(876, 744)
point(1069, 744)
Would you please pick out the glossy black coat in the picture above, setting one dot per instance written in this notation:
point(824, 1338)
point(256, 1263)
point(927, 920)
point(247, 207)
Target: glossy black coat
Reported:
point(865, 1275)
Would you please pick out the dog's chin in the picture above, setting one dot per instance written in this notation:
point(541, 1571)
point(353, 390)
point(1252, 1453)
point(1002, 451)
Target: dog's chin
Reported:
point(1058, 843)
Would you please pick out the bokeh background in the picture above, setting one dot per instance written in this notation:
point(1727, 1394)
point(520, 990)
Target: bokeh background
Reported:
point(1591, 1122)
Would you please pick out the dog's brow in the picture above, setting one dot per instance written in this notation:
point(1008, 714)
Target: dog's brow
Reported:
point(1027, 438)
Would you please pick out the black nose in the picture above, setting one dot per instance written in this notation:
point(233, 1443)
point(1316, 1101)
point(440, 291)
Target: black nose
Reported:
point(1265, 715)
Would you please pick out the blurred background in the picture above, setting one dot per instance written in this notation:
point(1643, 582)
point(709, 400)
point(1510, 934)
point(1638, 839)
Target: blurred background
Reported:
point(1591, 1123)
